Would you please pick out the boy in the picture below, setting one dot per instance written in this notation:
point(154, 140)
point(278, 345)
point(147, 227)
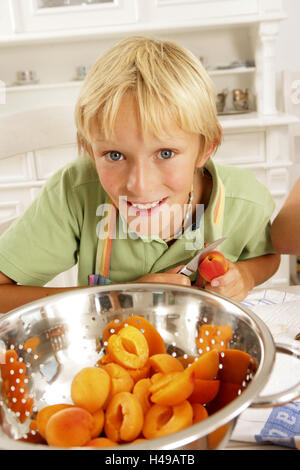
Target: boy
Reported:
point(128, 210)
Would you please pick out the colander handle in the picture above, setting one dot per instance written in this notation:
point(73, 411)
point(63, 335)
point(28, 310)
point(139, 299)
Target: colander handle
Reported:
point(286, 396)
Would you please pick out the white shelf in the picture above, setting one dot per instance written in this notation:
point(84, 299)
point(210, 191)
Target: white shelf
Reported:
point(231, 71)
point(43, 86)
point(228, 122)
point(92, 33)
point(255, 120)
point(78, 83)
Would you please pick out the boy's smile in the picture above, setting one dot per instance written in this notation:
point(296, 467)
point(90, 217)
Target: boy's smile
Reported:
point(145, 208)
point(148, 178)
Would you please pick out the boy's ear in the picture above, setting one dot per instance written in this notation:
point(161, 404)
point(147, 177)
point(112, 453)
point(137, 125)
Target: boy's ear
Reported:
point(203, 159)
point(89, 150)
point(85, 147)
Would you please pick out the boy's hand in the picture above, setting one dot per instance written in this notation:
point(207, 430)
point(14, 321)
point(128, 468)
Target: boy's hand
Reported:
point(235, 283)
point(169, 277)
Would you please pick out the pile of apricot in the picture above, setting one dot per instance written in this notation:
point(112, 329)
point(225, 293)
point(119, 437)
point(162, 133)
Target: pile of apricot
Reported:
point(137, 391)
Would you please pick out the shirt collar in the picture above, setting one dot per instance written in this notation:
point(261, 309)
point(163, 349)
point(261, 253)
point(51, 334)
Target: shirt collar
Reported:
point(214, 213)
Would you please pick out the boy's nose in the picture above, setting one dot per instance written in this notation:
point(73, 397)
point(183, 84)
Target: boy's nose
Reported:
point(140, 180)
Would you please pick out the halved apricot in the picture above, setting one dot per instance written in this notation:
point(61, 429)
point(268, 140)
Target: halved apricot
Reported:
point(13, 373)
point(215, 437)
point(162, 420)
point(213, 337)
point(98, 423)
point(22, 408)
point(105, 359)
point(33, 436)
point(204, 391)
point(157, 376)
point(142, 391)
point(121, 381)
point(165, 363)
point(172, 388)
point(206, 366)
point(235, 365)
point(142, 373)
point(101, 442)
point(129, 348)
point(124, 417)
point(186, 360)
point(155, 342)
point(31, 344)
point(227, 392)
point(13, 369)
point(112, 328)
point(199, 413)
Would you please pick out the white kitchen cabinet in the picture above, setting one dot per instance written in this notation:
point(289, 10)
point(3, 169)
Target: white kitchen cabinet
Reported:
point(221, 31)
point(206, 10)
point(38, 16)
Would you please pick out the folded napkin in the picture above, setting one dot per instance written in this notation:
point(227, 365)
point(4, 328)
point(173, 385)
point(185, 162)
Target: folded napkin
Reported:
point(279, 425)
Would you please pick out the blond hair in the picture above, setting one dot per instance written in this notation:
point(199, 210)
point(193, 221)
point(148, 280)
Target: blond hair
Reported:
point(167, 81)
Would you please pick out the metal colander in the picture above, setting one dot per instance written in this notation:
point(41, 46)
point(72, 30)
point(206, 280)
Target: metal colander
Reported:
point(54, 338)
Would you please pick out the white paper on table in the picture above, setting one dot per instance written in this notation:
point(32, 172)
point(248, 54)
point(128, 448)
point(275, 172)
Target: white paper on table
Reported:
point(280, 425)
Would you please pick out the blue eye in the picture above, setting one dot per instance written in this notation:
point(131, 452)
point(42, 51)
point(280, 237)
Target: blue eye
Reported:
point(115, 156)
point(165, 154)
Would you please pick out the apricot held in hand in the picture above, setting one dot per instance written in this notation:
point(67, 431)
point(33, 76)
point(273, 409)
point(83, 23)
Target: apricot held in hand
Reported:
point(214, 265)
point(90, 388)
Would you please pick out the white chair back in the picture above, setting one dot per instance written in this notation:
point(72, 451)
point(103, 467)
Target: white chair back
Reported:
point(33, 145)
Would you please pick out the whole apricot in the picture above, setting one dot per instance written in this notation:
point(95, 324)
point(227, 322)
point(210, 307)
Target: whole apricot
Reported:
point(45, 414)
point(71, 427)
point(90, 388)
point(214, 265)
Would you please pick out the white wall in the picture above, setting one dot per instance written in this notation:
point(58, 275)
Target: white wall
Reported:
point(288, 54)
point(288, 58)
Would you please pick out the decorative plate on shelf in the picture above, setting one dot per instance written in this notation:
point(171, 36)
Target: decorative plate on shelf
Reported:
point(234, 111)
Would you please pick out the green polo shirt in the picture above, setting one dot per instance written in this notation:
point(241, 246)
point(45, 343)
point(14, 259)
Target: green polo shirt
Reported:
point(60, 228)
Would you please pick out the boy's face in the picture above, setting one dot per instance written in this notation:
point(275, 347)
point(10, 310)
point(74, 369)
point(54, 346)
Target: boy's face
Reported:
point(148, 178)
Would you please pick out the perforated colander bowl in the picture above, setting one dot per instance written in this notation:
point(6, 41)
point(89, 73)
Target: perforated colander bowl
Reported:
point(57, 336)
